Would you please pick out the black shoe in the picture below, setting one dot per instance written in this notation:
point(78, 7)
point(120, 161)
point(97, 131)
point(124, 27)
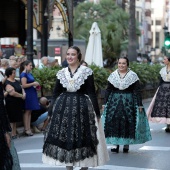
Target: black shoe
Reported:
point(167, 130)
point(125, 150)
point(115, 149)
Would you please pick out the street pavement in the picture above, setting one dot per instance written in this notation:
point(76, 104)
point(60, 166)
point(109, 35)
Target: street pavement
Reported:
point(152, 155)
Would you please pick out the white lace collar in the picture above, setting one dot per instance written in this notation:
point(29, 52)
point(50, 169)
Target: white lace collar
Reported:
point(122, 83)
point(165, 76)
point(72, 84)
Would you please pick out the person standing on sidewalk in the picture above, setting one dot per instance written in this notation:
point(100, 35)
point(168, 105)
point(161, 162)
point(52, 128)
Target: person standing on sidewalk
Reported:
point(31, 101)
point(75, 136)
point(159, 108)
point(125, 118)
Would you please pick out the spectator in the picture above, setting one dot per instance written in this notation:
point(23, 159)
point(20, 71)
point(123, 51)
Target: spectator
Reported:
point(15, 97)
point(4, 65)
point(64, 63)
point(82, 62)
point(44, 62)
point(31, 100)
point(52, 62)
point(40, 116)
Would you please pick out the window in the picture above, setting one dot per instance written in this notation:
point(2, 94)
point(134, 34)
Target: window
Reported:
point(158, 22)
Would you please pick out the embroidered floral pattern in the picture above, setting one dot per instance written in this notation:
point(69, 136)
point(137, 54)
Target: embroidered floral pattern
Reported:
point(73, 84)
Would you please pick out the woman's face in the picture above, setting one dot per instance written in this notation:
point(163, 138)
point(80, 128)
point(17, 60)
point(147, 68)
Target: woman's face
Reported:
point(72, 57)
point(122, 65)
point(29, 67)
point(166, 62)
point(13, 74)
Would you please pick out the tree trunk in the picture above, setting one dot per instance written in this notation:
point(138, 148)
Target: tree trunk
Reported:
point(132, 47)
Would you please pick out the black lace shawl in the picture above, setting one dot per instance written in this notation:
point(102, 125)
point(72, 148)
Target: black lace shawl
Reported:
point(86, 88)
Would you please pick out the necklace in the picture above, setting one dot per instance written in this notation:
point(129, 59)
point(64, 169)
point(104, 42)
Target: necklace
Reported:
point(122, 75)
point(72, 74)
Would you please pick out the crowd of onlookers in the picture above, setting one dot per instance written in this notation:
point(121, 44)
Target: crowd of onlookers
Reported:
point(20, 92)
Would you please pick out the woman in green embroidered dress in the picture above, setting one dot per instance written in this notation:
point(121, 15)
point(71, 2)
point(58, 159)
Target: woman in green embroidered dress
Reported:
point(125, 118)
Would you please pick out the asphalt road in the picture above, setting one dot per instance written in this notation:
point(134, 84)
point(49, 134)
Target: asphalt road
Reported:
point(153, 155)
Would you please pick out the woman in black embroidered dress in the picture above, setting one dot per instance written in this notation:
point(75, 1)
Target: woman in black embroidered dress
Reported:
point(125, 119)
point(75, 136)
point(159, 110)
point(5, 155)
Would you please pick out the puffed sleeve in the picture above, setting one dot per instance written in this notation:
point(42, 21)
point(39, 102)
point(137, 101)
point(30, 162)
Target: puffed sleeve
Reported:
point(137, 92)
point(56, 92)
point(92, 94)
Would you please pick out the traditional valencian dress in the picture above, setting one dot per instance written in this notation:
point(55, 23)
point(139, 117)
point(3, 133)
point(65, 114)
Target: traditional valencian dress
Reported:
point(124, 124)
point(75, 136)
point(159, 109)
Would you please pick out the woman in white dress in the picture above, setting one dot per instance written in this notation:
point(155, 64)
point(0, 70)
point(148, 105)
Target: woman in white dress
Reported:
point(75, 136)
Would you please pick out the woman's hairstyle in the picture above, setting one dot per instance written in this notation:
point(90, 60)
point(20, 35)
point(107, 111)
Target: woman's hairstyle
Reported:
point(168, 57)
point(83, 62)
point(127, 60)
point(78, 52)
point(23, 64)
point(9, 71)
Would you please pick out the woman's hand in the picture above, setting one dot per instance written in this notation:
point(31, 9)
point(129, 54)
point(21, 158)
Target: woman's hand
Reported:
point(8, 139)
point(24, 96)
point(140, 109)
point(36, 83)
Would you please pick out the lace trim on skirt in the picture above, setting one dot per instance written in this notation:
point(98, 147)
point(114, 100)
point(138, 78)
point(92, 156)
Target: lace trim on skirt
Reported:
point(72, 130)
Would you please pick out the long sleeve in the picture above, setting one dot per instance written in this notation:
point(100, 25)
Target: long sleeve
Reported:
point(4, 122)
point(137, 92)
point(92, 94)
point(160, 81)
point(57, 91)
point(108, 91)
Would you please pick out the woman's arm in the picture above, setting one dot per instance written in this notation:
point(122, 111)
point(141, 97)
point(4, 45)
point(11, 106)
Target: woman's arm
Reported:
point(56, 92)
point(137, 93)
point(11, 91)
point(27, 85)
point(108, 91)
point(92, 94)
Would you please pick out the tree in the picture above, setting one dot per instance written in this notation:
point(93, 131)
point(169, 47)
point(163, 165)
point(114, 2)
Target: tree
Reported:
point(132, 47)
point(112, 21)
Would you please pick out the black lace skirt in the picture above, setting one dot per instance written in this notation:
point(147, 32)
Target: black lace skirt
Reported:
point(161, 108)
point(5, 156)
point(72, 131)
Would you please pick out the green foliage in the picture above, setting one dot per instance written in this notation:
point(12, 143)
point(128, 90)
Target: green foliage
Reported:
point(46, 77)
point(112, 21)
point(147, 73)
point(100, 77)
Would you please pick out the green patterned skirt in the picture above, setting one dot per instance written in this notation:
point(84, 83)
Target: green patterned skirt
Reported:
point(123, 123)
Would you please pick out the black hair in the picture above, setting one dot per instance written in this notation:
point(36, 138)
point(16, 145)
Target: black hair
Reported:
point(82, 61)
point(168, 57)
point(127, 60)
point(23, 64)
point(9, 71)
point(78, 51)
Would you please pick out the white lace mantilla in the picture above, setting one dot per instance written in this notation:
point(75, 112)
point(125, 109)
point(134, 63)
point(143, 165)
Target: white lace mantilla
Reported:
point(122, 83)
point(165, 76)
point(73, 84)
